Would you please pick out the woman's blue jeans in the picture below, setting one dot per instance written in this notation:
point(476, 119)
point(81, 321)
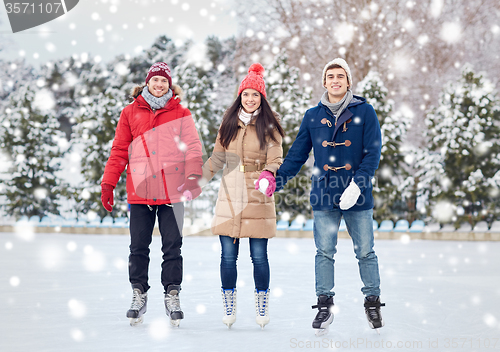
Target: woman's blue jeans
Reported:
point(258, 253)
point(360, 227)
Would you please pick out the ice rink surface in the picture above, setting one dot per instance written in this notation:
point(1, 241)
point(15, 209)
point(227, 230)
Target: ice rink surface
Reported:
point(62, 292)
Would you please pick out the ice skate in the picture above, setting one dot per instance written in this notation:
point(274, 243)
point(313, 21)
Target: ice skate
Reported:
point(138, 307)
point(262, 307)
point(372, 310)
point(324, 318)
point(173, 305)
point(229, 306)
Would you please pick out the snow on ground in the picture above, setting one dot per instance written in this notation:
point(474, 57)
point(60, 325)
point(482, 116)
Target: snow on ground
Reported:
point(70, 293)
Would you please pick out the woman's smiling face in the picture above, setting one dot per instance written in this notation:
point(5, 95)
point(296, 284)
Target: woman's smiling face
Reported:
point(250, 100)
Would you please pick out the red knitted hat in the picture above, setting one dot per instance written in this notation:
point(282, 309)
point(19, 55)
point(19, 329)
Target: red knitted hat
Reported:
point(254, 80)
point(160, 69)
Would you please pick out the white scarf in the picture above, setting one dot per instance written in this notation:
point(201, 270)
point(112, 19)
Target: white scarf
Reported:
point(246, 117)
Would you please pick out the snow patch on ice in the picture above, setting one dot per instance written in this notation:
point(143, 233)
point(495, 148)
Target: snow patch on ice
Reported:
point(77, 309)
point(159, 329)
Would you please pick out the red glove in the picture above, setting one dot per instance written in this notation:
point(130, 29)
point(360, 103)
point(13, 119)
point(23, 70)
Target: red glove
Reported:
point(190, 184)
point(272, 182)
point(107, 196)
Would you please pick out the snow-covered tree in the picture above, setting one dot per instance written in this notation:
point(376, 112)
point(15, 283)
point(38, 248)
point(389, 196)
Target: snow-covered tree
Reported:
point(223, 81)
point(416, 45)
point(198, 99)
point(387, 192)
point(30, 136)
point(290, 100)
point(12, 75)
point(462, 164)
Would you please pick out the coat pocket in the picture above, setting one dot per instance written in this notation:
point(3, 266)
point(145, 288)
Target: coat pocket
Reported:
point(139, 173)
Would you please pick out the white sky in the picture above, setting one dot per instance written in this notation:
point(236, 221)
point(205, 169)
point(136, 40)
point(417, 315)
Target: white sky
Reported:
point(111, 27)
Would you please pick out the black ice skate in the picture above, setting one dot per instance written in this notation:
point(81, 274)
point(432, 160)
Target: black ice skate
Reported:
point(324, 318)
point(173, 304)
point(138, 307)
point(372, 310)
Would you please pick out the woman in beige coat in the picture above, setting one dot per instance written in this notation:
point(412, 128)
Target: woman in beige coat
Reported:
point(249, 146)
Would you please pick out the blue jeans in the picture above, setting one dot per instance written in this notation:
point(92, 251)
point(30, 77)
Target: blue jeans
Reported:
point(258, 253)
point(360, 227)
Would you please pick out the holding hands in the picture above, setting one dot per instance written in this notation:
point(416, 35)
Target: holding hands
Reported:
point(350, 196)
point(266, 183)
point(190, 184)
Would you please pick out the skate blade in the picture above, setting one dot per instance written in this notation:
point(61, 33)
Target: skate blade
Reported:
point(321, 332)
point(229, 325)
point(377, 330)
point(175, 323)
point(136, 321)
point(372, 326)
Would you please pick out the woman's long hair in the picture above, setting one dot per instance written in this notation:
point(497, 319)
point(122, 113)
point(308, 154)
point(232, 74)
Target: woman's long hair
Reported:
point(265, 123)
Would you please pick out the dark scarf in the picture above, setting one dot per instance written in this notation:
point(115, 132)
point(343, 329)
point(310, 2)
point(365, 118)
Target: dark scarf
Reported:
point(337, 108)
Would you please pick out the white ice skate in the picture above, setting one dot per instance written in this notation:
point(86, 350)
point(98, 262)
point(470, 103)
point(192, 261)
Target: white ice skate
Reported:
point(229, 306)
point(262, 307)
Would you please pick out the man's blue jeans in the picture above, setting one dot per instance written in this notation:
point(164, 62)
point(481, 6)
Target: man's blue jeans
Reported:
point(360, 227)
point(258, 253)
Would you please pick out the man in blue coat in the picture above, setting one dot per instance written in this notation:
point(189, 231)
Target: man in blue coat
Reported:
point(344, 133)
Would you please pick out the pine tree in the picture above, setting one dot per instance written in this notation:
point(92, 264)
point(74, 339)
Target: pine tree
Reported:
point(223, 82)
point(12, 76)
point(197, 98)
point(30, 136)
point(290, 100)
point(462, 164)
point(200, 98)
point(391, 173)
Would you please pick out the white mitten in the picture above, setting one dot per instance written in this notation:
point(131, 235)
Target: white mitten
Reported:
point(262, 185)
point(350, 196)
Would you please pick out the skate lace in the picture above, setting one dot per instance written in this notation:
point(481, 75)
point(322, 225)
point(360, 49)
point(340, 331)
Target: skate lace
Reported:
point(373, 310)
point(173, 303)
point(373, 313)
point(228, 297)
point(138, 300)
point(261, 306)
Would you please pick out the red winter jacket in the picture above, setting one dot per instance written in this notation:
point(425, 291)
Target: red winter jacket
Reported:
point(161, 149)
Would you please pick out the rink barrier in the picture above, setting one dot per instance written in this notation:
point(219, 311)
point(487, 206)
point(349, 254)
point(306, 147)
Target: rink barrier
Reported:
point(205, 231)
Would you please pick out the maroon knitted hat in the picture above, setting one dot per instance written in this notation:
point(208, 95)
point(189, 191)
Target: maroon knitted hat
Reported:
point(254, 80)
point(160, 69)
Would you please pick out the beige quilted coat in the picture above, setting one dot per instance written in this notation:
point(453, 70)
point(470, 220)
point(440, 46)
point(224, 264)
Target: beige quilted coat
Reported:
point(242, 211)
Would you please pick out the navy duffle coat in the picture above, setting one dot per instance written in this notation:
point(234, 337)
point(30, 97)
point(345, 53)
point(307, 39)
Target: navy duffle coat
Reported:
point(344, 151)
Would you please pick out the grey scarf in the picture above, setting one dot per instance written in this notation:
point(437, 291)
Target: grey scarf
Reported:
point(337, 108)
point(154, 102)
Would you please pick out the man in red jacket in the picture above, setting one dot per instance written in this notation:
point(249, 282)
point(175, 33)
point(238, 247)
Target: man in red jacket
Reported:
point(157, 141)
